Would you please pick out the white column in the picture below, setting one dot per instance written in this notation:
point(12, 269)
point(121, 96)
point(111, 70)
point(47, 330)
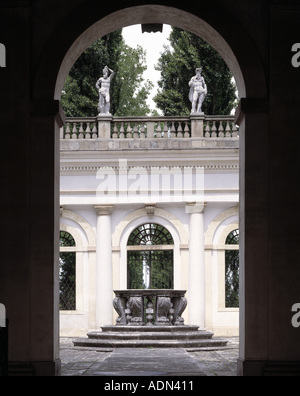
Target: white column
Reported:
point(196, 289)
point(104, 281)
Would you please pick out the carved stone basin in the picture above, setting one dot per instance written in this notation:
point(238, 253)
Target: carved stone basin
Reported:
point(150, 307)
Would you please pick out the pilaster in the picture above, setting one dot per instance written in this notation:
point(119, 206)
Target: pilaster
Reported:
point(104, 281)
point(196, 289)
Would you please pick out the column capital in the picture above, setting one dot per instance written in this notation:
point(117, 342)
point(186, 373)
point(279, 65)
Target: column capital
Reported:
point(195, 207)
point(104, 210)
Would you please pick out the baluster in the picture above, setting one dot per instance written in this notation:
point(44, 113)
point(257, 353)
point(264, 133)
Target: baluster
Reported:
point(171, 314)
point(81, 131)
point(128, 131)
point(95, 132)
point(234, 130)
point(150, 312)
point(128, 313)
point(115, 132)
point(221, 130)
point(179, 131)
point(173, 131)
point(214, 130)
point(143, 133)
point(207, 130)
point(74, 131)
point(135, 131)
point(186, 130)
point(228, 130)
point(122, 131)
point(158, 131)
point(68, 132)
point(88, 131)
point(166, 130)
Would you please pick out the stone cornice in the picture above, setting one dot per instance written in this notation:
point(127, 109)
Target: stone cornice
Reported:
point(152, 145)
point(84, 169)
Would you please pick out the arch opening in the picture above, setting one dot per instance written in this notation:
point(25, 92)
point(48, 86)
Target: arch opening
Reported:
point(150, 14)
point(150, 259)
point(245, 66)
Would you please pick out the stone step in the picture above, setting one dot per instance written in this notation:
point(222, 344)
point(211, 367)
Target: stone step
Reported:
point(116, 341)
point(150, 337)
point(180, 336)
point(150, 329)
point(96, 343)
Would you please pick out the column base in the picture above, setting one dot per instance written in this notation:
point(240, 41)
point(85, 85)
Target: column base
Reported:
point(250, 368)
point(259, 368)
point(34, 369)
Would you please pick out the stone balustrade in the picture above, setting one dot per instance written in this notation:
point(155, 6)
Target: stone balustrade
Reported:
point(150, 307)
point(151, 127)
point(122, 128)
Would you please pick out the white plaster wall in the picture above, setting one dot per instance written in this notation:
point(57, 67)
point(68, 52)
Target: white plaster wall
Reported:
point(221, 194)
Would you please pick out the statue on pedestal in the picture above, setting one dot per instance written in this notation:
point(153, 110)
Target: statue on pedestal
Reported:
point(198, 91)
point(103, 86)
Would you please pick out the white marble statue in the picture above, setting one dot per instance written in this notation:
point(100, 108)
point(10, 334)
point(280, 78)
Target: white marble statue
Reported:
point(198, 91)
point(103, 86)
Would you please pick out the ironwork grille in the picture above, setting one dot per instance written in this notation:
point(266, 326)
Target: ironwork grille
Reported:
point(232, 271)
point(67, 274)
point(150, 269)
point(150, 234)
point(150, 263)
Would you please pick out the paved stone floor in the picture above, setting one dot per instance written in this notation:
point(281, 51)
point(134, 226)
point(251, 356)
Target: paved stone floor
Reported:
point(152, 362)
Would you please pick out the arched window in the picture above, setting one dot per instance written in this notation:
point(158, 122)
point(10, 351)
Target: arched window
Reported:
point(150, 256)
point(67, 272)
point(232, 269)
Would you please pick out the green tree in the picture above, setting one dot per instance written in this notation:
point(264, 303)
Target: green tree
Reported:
point(134, 91)
point(129, 92)
point(80, 96)
point(177, 65)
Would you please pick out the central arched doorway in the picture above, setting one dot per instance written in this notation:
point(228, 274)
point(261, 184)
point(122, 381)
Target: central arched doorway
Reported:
point(237, 49)
point(150, 14)
point(150, 258)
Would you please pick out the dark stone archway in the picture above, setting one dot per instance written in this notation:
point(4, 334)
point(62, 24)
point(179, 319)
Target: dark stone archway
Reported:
point(59, 56)
point(46, 39)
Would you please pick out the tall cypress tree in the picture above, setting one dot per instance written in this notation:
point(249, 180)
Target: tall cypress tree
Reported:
point(177, 65)
point(80, 96)
point(129, 91)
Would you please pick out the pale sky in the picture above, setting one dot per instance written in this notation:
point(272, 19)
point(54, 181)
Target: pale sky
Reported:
point(153, 44)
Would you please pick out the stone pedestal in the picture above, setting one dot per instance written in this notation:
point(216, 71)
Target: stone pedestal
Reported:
point(104, 126)
point(197, 125)
point(163, 307)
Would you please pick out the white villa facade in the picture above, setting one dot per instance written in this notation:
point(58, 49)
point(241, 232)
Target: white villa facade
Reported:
point(119, 174)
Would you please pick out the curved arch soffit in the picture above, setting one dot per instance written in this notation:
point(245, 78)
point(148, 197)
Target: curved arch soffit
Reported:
point(227, 230)
point(75, 234)
point(217, 221)
point(150, 234)
point(171, 16)
point(83, 223)
point(142, 213)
